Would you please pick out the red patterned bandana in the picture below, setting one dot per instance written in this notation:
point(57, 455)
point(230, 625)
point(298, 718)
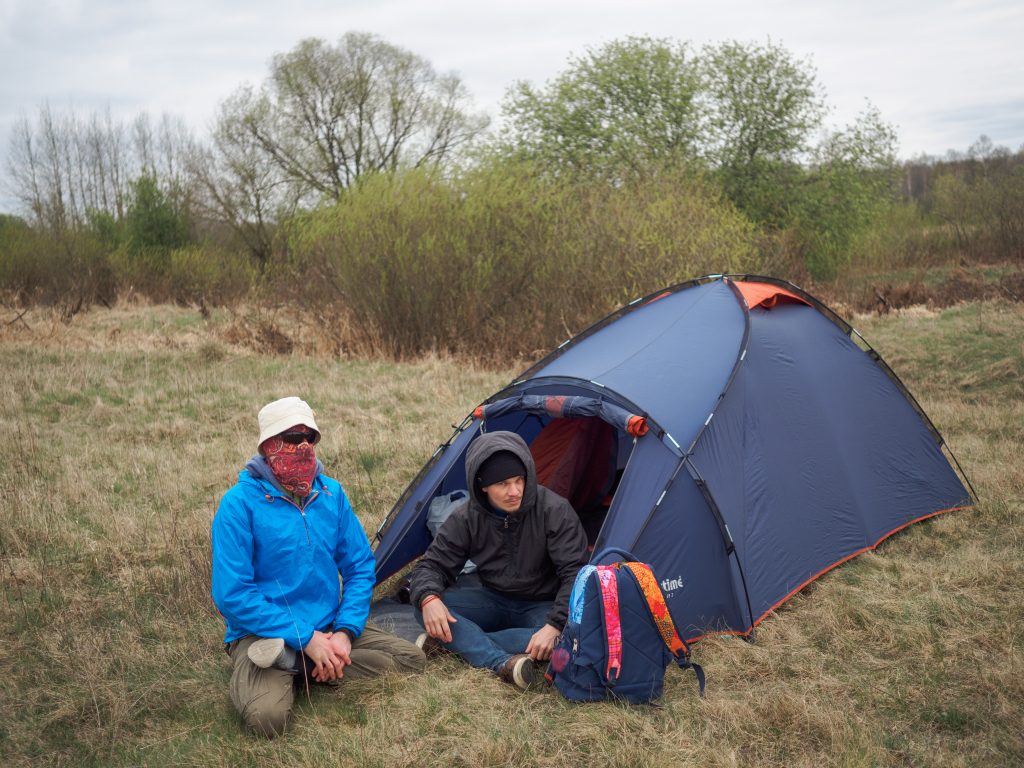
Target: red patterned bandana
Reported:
point(294, 466)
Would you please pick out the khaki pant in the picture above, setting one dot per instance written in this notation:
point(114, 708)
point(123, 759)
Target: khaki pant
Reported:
point(264, 697)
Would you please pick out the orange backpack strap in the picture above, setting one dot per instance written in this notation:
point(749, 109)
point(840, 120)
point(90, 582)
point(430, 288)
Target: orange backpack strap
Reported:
point(659, 610)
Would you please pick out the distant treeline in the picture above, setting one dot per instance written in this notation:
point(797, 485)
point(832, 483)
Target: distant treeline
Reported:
point(357, 182)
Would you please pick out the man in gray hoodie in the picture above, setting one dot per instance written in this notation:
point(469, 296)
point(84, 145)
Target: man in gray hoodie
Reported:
point(527, 543)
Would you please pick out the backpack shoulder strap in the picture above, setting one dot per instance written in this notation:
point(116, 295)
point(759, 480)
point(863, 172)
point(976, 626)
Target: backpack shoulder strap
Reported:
point(659, 610)
point(579, 589)
point(612, 624)
point(663, 619)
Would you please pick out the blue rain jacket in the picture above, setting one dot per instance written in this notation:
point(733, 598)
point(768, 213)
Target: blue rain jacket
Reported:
point(276, 567)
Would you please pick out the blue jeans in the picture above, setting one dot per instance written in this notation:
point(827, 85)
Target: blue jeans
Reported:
point(491, 627)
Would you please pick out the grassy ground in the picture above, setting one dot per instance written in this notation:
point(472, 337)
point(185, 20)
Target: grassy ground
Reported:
point(124, 427)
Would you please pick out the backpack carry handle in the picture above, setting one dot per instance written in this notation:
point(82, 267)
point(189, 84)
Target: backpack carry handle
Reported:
point(626, 555)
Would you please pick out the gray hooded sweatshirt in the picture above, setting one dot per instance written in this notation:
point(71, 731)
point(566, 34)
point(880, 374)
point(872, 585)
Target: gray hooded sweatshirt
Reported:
point(531, 554)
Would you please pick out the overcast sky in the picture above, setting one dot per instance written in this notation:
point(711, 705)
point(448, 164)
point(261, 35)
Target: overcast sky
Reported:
point(943, 72)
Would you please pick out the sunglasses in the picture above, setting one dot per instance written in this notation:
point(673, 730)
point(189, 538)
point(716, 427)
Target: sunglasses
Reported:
point(297, 438)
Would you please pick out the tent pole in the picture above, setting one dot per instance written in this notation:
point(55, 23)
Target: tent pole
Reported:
point(723, 527)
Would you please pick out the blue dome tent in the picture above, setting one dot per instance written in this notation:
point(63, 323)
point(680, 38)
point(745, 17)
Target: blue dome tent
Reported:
point(758, 442)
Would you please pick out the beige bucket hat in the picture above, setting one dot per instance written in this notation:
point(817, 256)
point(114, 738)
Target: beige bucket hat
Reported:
point(281, 415)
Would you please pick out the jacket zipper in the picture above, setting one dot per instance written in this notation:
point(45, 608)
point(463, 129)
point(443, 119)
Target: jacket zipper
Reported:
point(302, 511)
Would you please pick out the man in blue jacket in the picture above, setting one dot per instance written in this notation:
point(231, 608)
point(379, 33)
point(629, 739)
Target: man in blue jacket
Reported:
point(282, 536)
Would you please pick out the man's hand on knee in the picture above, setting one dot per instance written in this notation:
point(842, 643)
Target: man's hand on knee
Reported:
point(328, 664)
point(543, 643)
point(436, 619)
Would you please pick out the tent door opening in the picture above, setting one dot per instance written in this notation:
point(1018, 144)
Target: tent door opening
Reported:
point(582, 459)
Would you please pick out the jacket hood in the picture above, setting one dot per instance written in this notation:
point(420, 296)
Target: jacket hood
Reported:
point(486, 446)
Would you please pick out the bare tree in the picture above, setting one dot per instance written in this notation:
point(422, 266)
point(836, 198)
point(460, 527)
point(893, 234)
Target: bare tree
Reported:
point(239, 184)
point(24, 171)
point(38, 168)
point(64, 169)
point(329, 114)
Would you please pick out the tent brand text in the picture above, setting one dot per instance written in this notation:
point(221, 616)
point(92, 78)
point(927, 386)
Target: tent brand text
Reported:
point(670, 584)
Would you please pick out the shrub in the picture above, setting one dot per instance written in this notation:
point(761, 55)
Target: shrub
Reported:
point(193, 274)
point(206, 274)
point(984, 207)
point(903, 237)
point(69, 267)
point(503, 259)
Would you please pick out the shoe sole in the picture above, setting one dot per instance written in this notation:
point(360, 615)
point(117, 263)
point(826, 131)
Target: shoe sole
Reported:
point(265, 653)
point(524, 674)
point(430, 646)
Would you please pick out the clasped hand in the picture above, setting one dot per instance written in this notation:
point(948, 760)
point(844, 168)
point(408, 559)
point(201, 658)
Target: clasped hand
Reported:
point(330, 654)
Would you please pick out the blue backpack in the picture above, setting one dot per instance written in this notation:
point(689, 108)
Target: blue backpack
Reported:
point(619, 637)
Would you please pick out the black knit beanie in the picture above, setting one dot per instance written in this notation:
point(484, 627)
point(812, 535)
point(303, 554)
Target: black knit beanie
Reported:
point(500, 465)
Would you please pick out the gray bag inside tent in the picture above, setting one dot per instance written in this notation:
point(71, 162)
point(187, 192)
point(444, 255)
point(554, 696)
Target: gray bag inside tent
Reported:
point(440, 508)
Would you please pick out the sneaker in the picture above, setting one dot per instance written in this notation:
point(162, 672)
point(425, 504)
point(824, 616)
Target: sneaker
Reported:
point(271, 652)
point(431, 646)
point(520, 671)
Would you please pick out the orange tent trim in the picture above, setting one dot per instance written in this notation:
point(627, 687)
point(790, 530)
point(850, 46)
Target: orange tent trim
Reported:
point(765, 295)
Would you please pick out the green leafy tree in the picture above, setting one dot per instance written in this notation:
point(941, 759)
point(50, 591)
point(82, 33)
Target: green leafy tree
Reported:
point(107, 229)
point(747, 111)
point(851, 182)
point(616, 109)
point(765, 106)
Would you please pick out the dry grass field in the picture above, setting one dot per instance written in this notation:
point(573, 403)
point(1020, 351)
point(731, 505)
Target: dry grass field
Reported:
point(123, 427)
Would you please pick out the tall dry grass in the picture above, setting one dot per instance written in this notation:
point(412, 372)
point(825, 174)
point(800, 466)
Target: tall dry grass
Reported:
point(124, 427)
